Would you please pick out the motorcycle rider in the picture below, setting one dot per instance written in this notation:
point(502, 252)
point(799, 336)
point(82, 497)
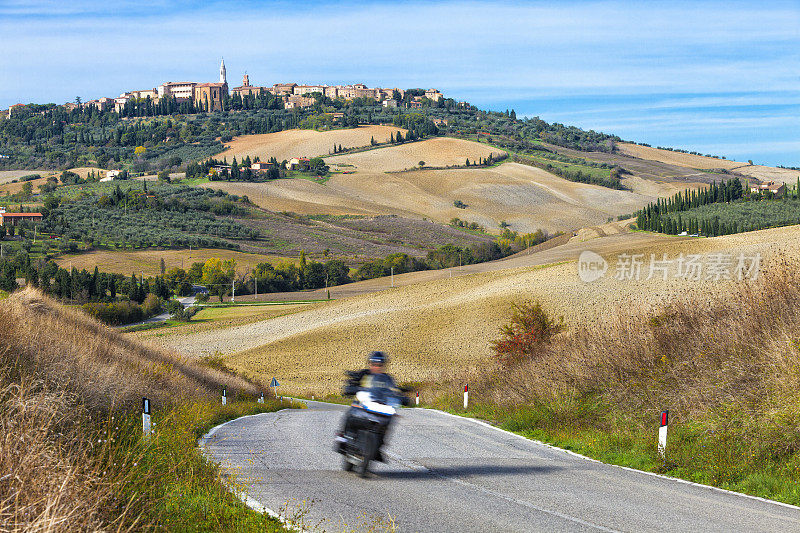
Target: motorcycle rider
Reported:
point(380, 384)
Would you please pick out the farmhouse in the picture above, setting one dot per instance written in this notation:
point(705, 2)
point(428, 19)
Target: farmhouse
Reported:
point(259, 166)
point(298, 163)
point(14, 219)
point(778, 189)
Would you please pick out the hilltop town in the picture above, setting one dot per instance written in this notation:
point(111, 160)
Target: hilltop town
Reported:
point(212, 96)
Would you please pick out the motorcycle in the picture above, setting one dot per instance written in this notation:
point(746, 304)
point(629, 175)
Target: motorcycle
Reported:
point(365, 428)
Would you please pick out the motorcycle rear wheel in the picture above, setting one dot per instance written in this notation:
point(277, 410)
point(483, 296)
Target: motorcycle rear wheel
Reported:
point(368, 443)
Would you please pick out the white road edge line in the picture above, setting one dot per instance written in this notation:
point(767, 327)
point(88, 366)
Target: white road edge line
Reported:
point(575, 454)
point(252, 503)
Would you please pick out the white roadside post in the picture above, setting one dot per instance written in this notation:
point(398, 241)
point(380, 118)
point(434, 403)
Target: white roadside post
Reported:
point(146, 428)
point(261, 398)
point(662, 434)
point(417, 397)
point(466, 395)
point(224, 396)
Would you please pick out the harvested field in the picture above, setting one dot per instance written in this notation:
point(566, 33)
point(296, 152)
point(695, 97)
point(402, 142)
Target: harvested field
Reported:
point(526, 197)
point(303, 143)
point(645, 168)
point(10, 175)
point(13, 188)
point(676, 158)
point(354, 240)
point(430, 328)
point(759, 172)
point(301, 196)
point(149, 261)
point(436, 152)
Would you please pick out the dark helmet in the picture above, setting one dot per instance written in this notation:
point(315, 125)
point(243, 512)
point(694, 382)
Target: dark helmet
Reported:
point(377, 358)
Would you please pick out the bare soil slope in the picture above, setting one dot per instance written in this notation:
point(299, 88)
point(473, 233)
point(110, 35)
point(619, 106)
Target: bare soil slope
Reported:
point(436, 152)
point(526, 197)
point(303, 143)
point(430, 327)
point(676, 158)
point(759, 172)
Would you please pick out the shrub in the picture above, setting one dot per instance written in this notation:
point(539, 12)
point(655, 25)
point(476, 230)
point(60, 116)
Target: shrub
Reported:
point(179, 313)
point(526, 335)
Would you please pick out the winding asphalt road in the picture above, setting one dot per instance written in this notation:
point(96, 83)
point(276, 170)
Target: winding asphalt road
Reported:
point(446, 473)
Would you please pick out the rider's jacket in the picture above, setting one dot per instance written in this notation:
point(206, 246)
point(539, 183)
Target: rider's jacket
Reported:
point(381, 386)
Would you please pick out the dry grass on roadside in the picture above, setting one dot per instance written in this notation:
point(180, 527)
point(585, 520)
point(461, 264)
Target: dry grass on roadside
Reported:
point(741, 350)
point(64, 379)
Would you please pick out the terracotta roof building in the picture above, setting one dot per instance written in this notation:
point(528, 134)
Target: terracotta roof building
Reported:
point(13, 219)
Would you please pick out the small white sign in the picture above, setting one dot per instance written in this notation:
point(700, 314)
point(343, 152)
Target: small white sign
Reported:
point(146, 427)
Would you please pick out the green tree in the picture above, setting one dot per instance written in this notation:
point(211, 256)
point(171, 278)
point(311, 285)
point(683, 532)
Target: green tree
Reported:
point(218, 275)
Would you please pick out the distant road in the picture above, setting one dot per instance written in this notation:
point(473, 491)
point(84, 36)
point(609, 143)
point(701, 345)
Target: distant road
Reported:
point(447, 473)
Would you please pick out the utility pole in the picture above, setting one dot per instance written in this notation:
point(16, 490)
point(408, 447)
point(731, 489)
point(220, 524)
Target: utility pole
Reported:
point(392, 276)
point(233, 289)
point(255, 284)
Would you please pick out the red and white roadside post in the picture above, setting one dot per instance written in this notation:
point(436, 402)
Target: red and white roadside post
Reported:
point(417, 398)
point(662, 434)
point(466, 395)
point(146, 427)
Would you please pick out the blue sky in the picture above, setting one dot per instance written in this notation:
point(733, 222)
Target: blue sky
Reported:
point(718, 77)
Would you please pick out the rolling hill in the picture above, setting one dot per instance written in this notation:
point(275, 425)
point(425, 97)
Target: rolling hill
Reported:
point(385, 181)
point(431, 327)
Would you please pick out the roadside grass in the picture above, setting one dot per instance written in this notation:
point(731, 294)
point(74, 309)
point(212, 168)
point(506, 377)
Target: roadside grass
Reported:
point(71, 393)
point(727, 371)
point(171, 483)
point(740, 459)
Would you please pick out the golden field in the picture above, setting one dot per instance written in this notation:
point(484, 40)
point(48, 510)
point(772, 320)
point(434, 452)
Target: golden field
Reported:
point(759, 172)
point(526, 197)
point(433, 328)
point(149, 261)
point(303, 143)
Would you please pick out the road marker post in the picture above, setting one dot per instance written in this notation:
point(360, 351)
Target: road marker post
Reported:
point(274, 384)
point(662, 434)
point(466, 395)
point(261, 398)
point(224, 396)
point(146, 426)
point(417, 397)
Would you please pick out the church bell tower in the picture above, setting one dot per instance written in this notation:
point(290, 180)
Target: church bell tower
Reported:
point(222, 77)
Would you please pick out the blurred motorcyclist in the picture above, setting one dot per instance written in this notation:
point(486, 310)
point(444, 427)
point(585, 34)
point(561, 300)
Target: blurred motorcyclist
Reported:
point(381, 386)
